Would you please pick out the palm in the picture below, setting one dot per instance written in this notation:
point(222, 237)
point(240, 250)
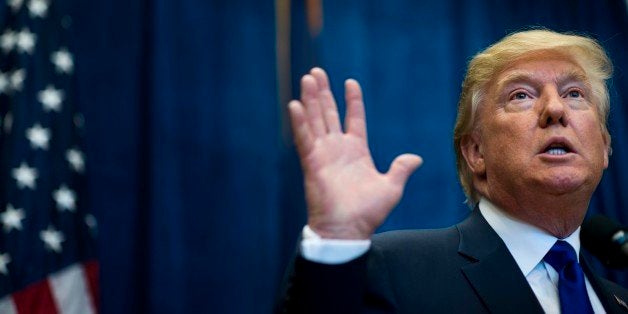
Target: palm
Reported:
point(347, 196)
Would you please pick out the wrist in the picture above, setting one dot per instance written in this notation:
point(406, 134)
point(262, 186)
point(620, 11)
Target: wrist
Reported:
point(342, 232)
point(330, 251)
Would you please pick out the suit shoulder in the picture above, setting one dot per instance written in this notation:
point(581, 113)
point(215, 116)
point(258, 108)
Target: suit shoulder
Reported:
point(423, 240)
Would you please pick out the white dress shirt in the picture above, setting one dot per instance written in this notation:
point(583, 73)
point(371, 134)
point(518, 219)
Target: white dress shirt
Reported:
point(526, 243)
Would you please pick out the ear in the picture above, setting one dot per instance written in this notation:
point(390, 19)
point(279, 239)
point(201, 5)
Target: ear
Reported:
point(471, 147)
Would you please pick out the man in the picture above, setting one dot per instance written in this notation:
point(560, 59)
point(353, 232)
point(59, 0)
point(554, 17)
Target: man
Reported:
point(531, 144)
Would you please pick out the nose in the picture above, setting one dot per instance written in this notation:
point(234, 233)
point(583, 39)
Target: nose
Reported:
point(553, 110)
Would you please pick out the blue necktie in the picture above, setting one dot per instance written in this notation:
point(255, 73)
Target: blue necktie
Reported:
point(571, 285)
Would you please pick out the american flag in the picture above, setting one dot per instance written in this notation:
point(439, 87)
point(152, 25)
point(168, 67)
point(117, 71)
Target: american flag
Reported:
point(47, 234)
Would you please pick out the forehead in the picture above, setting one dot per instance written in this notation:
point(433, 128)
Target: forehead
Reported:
point(542, 67)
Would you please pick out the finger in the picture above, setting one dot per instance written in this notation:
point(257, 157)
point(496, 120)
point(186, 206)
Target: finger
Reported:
point(309, 98)
point(300, 128)
point(355, 119)
point(327, 101)
point(402, 167)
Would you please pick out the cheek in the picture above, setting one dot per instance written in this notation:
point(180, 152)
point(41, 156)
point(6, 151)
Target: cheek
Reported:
point(593, 141)
point(511, 135)
point(505, 149)
point(507, 144)
point(591, 134)
point(600, 147)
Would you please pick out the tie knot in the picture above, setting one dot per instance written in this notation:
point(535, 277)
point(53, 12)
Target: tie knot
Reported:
point(561, 255)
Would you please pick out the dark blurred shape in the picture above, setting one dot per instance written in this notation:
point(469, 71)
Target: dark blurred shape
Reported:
point(606, 239)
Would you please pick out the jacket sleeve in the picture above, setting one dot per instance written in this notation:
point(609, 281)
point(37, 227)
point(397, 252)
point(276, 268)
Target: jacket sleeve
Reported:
point(352, 287)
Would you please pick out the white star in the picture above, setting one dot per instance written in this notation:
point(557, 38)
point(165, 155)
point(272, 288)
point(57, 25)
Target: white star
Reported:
point(51, 98)
point(26, 41)
point(52, 239)
point(12, 218)
point(8, 123)
point(17, 79)
point(63, 61)
point(7, 40)
point(65, 198)
point(76, 159)
point(38, 8)
point(5, 258)
point(25, 176)
point(15, 4)
point(91, 222)
point(38, 136)
point(4, 84)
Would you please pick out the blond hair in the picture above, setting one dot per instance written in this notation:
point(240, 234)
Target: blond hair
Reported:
point(485, 66)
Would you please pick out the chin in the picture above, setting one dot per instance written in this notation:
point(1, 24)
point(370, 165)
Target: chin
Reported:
point(559, 184)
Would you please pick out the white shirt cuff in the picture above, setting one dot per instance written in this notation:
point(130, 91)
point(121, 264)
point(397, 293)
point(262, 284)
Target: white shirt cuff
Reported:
point(331, 251)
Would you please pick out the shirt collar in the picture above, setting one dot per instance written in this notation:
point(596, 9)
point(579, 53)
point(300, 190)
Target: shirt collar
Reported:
point(528, 244)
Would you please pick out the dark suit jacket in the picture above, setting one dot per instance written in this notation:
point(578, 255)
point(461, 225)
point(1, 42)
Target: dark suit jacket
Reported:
point(465, 268)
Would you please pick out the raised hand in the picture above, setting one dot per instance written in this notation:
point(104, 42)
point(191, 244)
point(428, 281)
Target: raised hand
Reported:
point(347, 197)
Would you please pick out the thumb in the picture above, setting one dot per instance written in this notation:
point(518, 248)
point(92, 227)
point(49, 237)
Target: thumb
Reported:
point(402, 167)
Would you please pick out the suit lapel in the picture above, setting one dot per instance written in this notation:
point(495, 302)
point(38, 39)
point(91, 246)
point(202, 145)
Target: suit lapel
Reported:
point(494, 274)
point(613, 302)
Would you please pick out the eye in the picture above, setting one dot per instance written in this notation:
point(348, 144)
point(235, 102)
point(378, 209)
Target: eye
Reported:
point(574, 94)
point(518, 96)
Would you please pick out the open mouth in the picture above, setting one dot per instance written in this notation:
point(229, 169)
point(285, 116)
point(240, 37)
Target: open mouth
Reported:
point(557, 149)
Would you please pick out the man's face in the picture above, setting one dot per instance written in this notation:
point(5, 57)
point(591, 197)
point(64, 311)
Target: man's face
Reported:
point(539, 131)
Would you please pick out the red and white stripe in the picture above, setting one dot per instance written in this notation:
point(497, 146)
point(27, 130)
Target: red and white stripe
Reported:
point(72, 290)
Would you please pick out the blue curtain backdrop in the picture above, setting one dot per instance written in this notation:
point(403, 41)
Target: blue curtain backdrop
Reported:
point(196, 186)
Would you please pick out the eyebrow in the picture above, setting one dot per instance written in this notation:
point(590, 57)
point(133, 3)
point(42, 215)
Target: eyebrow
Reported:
point(528, 77)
